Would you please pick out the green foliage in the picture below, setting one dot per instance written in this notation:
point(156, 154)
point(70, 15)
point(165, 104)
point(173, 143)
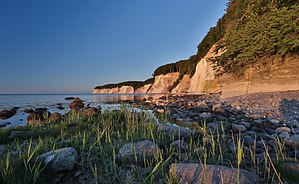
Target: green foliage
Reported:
point(265, 31)
point(183, 66)
point(134, 84)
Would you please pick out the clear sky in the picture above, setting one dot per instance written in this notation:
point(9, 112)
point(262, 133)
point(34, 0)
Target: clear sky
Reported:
point(71, 46)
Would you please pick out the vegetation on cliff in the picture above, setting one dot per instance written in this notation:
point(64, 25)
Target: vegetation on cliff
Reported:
point(249, 30)
point(134, 84)
point(261, 30)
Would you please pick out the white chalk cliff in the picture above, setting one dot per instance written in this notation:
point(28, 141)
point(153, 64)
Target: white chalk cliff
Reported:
point(278, 76)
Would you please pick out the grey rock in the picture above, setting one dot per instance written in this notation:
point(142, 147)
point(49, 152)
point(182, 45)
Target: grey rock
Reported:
point(175, 131)
point(274, 121)
point(61, 160)
point(187, 123)
point(226, 125)
point(283, 129)
point(293, 142)
point(218, 109)
point(238, 128)
point(206, 116)
point(284, 135)
point(6, 114)
point(212, 174)
point(246, 124)
point(291, 169)
point(138, 150)
point(248, 140)
point(201, 107)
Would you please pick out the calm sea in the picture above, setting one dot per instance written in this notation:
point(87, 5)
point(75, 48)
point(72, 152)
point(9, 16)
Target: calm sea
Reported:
point(33, 101)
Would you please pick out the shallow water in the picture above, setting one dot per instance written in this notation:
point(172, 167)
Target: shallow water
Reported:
point(7, 102)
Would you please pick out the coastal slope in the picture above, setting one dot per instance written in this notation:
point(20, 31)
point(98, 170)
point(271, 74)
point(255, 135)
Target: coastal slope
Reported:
point(253, 48)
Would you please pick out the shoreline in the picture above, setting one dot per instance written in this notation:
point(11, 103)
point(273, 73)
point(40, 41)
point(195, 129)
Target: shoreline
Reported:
point(217, 131)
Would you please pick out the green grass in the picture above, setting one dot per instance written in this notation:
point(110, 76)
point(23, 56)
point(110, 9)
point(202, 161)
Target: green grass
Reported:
point(97, 140)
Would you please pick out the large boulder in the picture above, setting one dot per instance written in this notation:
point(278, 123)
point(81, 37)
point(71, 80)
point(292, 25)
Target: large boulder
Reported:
point(211, 174)
point(291, 171)
point(77, 104)
point(293, 142)
point(69, 98)
point(238, 128)
point(61, 160)
point(201, 107)
point(28, 110)
point(38, 115)
point(175, 131)
point(141, 150)
point(5, 114)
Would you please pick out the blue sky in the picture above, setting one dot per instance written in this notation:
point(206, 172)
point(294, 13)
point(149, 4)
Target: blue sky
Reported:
point(71, 46)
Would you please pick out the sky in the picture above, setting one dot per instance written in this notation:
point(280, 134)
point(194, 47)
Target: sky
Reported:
point(71, 46)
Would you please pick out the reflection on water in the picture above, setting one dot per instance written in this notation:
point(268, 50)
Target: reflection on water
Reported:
point(50, 101)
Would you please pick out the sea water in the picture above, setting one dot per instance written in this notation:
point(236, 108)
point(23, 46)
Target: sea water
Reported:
point(50, 102)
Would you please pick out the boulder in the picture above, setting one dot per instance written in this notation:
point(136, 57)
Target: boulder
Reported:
point(291, 171)
point(141, 150)
point(61, 160)
point(201, 107)
point(175, 131)
point(211, 174)
point(282, 129)
point(238, 128)
point(206, 116)
point(28, 110)
point(60, 107)
point(248, 140)
point(37, 116)
point(274, 121)
point(218, 109)
point(69, 98)
point(77, 104)
point(5, 114)
point(292, 142)
point(284, 135)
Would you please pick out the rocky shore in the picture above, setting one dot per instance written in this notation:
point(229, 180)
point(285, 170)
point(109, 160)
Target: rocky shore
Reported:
point(259, 116)
point(245, 139)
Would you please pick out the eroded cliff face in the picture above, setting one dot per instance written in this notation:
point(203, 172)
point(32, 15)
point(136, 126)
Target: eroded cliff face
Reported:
point(204, 80)
point(143, 89)
point(118, 90)
point(275, 75)
point(163, 82)
point(183, 85)
point(122, 90)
